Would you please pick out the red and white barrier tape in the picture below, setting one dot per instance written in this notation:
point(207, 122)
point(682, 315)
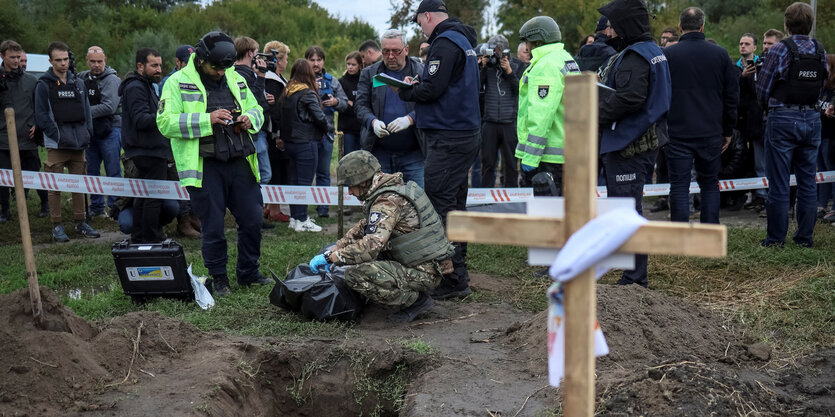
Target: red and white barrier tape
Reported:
point(327, 196)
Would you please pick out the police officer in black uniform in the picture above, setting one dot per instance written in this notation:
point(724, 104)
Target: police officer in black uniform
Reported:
point(631, 119)
point(447, 113)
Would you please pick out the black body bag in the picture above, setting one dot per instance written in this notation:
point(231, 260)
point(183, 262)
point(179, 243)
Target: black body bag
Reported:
point(322, 296)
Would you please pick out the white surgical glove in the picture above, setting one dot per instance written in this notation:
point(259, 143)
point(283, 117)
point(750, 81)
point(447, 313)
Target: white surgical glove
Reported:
point(380, 128)
point(398, 124)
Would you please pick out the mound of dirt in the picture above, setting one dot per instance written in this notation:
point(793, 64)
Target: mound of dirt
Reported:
point(671, 357)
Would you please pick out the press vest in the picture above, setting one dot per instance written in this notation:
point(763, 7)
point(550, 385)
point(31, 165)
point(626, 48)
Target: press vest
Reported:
point(428, 242)
point(183, 117)
point(102, 126)
point(805, 77)
point(66, 102)
point(457, 108)
point(325, 83)
point(624, 131)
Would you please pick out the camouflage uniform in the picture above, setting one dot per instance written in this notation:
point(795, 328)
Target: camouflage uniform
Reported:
point(375, 275)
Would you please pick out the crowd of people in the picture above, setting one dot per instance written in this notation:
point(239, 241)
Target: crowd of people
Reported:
point(226, 120)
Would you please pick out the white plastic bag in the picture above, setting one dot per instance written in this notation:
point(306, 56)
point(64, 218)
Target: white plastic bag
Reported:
point(201, 293)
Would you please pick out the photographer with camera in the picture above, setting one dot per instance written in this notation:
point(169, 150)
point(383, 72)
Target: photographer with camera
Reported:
point(333, 100)
point(500, 83)
point(17, 90)
point(210, 116)
point(252, 67)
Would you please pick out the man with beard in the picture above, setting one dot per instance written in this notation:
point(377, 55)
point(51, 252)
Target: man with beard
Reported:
point(147, 149)
point(399, 251)
point(447, 112)
point(631, 119)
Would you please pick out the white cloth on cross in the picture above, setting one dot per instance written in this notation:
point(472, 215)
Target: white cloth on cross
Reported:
point(594, 242)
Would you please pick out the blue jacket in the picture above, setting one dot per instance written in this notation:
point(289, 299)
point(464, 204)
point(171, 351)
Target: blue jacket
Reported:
point(705, 89)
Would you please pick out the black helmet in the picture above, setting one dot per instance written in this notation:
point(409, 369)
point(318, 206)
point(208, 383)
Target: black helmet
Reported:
point(217, 48)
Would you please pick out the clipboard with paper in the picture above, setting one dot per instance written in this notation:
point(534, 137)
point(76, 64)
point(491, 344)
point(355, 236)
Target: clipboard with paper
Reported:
point(385, 79)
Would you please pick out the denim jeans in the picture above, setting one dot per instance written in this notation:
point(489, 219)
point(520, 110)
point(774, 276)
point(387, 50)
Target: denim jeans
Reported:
point(792, 138)
point(323, 168)
point(825, 164)
point(759, 163)
point(105, 150)
point(351, 142)
point(410, 164)
point(170, 211)
point(305, 156)
point(707, 154)
point(264, 168)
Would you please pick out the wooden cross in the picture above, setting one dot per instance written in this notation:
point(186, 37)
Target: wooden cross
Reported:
point(580, 178)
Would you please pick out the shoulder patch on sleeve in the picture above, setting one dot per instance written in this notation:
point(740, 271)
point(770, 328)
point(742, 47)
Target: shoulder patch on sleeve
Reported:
point(241, 84)
point(433, 66)
point(189, 87)
point(543, 90)
point(570, 67)
point(161, 106)
point(374, 217)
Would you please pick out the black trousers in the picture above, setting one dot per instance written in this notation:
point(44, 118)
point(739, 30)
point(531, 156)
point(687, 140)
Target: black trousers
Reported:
point(449, 154)
point(29, 161)
point(626, 177)
point(146, 211)
point(497, 137)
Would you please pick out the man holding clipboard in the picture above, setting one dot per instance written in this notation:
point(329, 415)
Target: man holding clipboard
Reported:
point(447, 113)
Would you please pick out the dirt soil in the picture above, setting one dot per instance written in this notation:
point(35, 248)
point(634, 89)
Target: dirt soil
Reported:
point(668, 358)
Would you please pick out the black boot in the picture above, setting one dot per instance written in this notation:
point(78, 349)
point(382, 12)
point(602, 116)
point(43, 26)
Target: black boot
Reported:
point(406, 315)
point(221, 285)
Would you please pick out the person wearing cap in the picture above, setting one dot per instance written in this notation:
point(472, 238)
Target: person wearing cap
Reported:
point(500, 75)
point(398, 252)
point(447, 113)
point(540, 127)
point(211, 116)
point(180, 60)
point(592, 56)
point(632, 125)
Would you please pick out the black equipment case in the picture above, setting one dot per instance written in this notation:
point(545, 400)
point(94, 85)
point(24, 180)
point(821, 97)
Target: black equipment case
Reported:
point(152, 269)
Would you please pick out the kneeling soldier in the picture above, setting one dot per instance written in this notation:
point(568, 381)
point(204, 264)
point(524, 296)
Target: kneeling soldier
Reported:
point(399, 251)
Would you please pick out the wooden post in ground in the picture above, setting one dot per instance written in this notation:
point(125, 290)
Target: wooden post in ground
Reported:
point(340, 232)
point(580, 171)
point(23, 218)
point(580, 179)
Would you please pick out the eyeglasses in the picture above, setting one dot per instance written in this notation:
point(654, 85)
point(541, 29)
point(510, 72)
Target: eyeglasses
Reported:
point(394, 52)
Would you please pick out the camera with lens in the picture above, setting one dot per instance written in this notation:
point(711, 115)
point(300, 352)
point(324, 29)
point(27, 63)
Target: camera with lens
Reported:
point(493, 60)
point(271, 59)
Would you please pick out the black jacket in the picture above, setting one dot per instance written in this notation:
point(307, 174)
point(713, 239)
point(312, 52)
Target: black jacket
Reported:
point(256, 85)
point(140, 134)
point(348, 122)
point(734, 158)
point(501, 92)
point(749, 112)
point(705, 89)
point(302, 118)
point(21, 95)
point(632, 77)
point(447, 53)
point(274, 84)
point(593, 56)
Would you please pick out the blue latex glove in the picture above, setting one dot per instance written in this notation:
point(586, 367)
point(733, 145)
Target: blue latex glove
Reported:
point(318, 261)
point(527, 168)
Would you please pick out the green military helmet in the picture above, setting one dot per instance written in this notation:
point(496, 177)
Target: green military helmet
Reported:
point(356, 168)
point(540, 28)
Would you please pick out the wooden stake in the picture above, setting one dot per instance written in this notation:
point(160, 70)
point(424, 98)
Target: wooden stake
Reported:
point(23, 218)
point(580, 178)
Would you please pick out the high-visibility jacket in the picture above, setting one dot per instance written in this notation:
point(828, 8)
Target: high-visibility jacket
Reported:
point(539, 125)
point(183, 118)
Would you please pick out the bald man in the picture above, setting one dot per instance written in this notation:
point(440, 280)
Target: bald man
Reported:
point(103, 92)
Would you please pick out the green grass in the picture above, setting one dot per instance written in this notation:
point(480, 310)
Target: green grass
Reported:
point(785, 297)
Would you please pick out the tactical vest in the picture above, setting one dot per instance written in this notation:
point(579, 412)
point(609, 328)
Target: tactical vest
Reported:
point(428, 242)
point(67, 102)
point(225, 144)
point(624, 131)
point(457, 108)
point(805, 77)
point(325, 88)
point(102, 126)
